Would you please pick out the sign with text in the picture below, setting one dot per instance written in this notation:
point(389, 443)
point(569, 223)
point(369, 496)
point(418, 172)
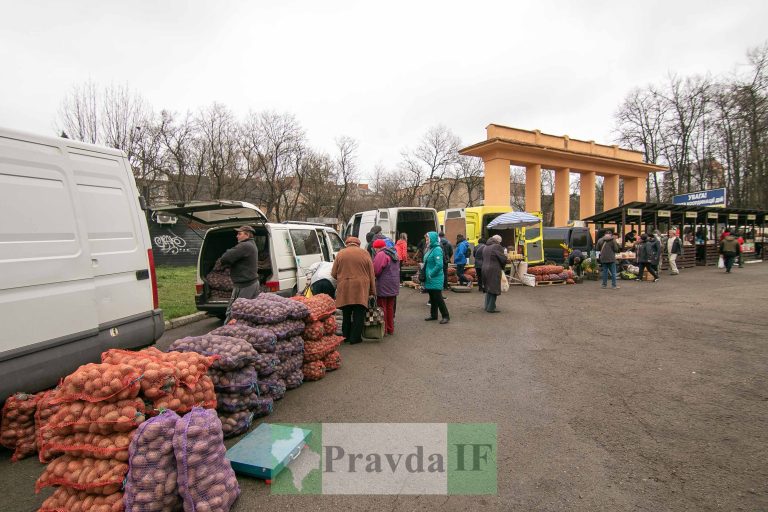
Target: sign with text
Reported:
point(714, 197)
point(733, 216)
point(634, 212)
point(712, 215)
point(752, 216)
point(691, 215)
point(664, 213)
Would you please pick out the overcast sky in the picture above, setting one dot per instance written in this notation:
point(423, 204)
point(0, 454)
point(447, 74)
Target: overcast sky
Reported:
point(381, 73)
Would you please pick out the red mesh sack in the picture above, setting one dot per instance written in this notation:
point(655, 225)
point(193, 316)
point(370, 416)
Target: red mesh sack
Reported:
point(330, 326)
point(45, 410)
point(65, 499)
point(205, 477)
point(313, 371)
point(321, 306)
point(182, 400)
point(570, 281)
point(97, 476)
point(151, 483)
point(97, 446)
point(96, 418)
point(332, 361)
point(190, 366)
point(314, 330)
point(230, 353)
point(158, 378)
point(261, 339)
point(317, 350)
point(100, 383)
point(17, 430)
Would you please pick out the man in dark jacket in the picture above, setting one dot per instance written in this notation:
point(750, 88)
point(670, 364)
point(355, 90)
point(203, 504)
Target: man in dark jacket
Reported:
point(654, 251)
point(479, 248)
point(494, 261)
point(447, 255)
point(243, 263)
point(644, 254)
point(608, 248)
point(574, 261)
point(729, 248)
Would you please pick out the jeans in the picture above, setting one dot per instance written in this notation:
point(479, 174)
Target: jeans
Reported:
point(460, 273)
point(609, 267)
point(388, 305)
point(246, 292)
point(436, 303)
point(490, 302)
point(353, 318)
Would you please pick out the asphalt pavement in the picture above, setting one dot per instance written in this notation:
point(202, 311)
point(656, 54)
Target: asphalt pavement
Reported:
point(651, 397)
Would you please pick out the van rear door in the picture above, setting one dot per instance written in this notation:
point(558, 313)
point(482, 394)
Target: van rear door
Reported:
point(214, 213)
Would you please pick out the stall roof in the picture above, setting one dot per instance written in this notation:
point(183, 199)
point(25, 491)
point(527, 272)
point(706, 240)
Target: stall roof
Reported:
point(649, 210)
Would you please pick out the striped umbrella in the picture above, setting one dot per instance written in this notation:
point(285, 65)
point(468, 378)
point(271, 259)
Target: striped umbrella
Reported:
point(512, 220)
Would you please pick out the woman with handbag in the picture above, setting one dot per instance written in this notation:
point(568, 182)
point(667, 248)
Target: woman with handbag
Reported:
point(386, 266)
point(355, 282)
point(433, 271)
point(494, 261)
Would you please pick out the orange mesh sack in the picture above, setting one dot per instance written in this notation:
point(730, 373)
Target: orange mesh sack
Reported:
point(151, 483)
point(97, 476)
point(97, 446)
point(190, 366)
point(17, 430)
point(100, 383)
point(158, 378)
point(330, 326)
point(95, 418)
point(321, 306)
point(313, 371)
point(45, 410)
point(182, 400)
point(332, 361)
point(65, 499)
point(314, 331)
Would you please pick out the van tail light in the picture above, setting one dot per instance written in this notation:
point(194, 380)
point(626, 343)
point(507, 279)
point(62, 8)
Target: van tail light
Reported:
point(153, 276)
point(272, 286)
point(199, 288)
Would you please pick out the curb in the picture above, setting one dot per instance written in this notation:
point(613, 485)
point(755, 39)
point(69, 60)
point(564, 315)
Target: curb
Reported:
point(185, 320)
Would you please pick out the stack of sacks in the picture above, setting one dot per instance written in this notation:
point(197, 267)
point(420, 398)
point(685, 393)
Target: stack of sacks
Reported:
point(320, 340)
point(233, 361)
point(17, 431)
point(219, 281)
point(284, 318)
point(89, 433)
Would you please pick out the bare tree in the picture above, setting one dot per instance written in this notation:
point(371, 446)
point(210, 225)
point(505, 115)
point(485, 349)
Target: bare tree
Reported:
point(431, 162)
point(345, 167)
point(78, 114)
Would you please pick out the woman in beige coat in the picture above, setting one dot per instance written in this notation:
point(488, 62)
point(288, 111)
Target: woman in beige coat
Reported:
point(355, 282)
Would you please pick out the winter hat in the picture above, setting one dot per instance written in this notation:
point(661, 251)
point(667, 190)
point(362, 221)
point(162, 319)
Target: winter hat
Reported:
point(379, 244)
point(352, 240)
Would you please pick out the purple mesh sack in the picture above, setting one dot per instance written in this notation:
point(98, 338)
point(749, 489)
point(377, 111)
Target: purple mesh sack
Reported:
point(263, 340)
point(266, 364)
point(236, 381)
point(273, 388)
point(285, 330)
point(233, 353)
point(236, 402)
point(151, 482)
point(290, 347)
point(294, 380)
point(259, 310)
point(296, 310)
point(262, 406)
point(289, 365)
point(206, 480)
point(235, 423)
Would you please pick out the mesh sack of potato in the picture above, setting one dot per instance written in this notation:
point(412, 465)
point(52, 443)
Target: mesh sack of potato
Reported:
point(294, 380)
point(314, 330)
point(289, 365)
point(315, 351)
point(296, 310)
point(332, 361)
point(96, 418)
point(235, 423)
point(273, 387)
point(17, 429)
point(190, 366)
point(236, 402)
point(205, 477)
point(157, 376)
point(65, 499)
point(100, 383)
point(263, 340)
point(97, 476)
point(313, 371)
point(321, 306)
point(290, 347)
point(230, 353)
point(330, 326)
point(286, 329)
point(259, 310)
point(237, 381)
point(182, 400)
point(97, 446)
point(151, 482)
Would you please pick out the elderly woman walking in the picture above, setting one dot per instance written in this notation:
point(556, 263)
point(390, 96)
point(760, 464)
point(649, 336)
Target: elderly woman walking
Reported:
point(387, 269)
point(356, 281)
point(494, 261)
point(433, 272)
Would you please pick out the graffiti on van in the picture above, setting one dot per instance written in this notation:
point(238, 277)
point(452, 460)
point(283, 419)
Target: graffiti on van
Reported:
point(171, 244)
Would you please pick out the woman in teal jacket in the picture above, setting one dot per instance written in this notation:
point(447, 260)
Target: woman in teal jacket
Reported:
point(433, 271)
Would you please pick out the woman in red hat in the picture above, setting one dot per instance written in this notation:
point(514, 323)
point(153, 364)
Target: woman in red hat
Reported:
point(386, 266)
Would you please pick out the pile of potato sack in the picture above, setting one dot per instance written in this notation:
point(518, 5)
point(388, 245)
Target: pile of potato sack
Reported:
point(144, 430)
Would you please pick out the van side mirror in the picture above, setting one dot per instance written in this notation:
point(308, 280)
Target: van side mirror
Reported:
point(143, 203)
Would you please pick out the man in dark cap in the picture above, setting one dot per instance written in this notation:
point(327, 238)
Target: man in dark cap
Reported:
point(243, 263)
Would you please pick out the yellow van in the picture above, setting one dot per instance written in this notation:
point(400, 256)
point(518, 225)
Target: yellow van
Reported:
point(472, 222)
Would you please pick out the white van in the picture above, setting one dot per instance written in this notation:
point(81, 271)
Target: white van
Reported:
point(76, 269)
point(286, 251)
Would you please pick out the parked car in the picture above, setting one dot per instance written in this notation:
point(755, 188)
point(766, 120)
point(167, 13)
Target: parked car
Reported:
point(286, 250)
point(574, 237)
point(76, 269)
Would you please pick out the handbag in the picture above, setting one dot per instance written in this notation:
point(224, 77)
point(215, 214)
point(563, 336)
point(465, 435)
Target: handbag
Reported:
point(374, 315)
point(504, 283)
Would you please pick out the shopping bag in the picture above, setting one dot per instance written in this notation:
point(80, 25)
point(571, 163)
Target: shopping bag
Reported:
point(721, 262)
point(374, 332)
point(504, 283)
point(374, 315)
